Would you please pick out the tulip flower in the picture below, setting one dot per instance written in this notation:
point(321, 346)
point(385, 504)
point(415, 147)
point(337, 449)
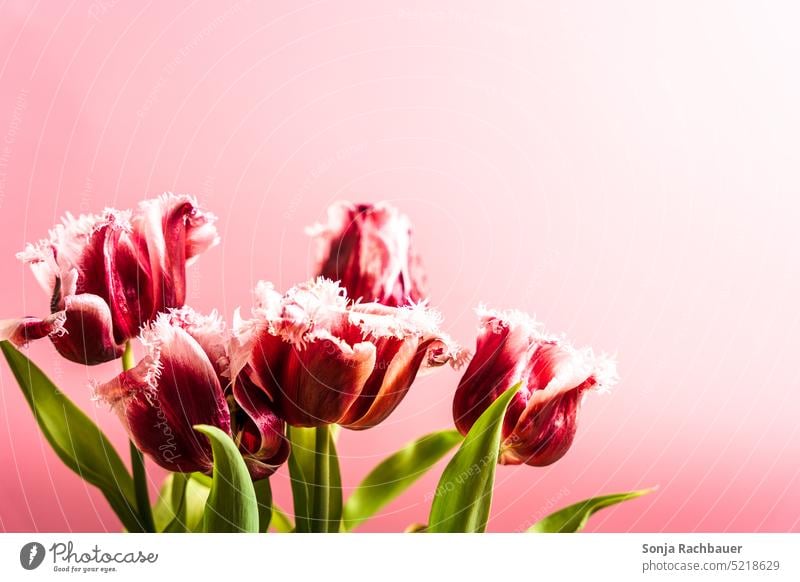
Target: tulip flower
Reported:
point(109, 274)
point(324, 360)
point(367, 247)
point(541, 420)
point(184, 380)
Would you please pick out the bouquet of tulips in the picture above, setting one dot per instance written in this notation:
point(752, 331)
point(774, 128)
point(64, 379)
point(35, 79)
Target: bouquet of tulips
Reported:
point(222, 407)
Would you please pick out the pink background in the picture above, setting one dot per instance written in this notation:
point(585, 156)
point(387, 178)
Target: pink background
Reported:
point(628, 173)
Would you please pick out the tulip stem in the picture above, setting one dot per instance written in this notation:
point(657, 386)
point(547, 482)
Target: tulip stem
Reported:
point(137, 464)
point(322, 479)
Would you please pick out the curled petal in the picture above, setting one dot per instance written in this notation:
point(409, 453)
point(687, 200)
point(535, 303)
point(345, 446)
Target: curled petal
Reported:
point(175, 231)
point(502, 358)
point(172, 389)
point(128, 283)
point(396, 367)
point(260, 431)
point(325, 360)
point(208, 331)
point(26, 329)
point(541, 420)
point(545, 431)
point(88, 336)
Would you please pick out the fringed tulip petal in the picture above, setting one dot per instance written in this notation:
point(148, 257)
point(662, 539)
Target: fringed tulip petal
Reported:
point(161, 399)
point(260, 432)
point(325, 360)
point(88, 336)
point(367, 247)
point(541, 420)
point(133, 263)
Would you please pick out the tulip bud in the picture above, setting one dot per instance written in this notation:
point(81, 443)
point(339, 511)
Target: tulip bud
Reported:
point(185, 380)
point(540, 423)
point(367, 248)
point(325, 360)
point(109, 274)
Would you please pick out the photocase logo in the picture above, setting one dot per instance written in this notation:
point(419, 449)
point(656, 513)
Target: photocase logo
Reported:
point(31, 555)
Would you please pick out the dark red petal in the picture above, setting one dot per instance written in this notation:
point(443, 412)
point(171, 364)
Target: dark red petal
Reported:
point(260, 432)
point(89, 332)
point(160, 400)
point(368, 249)
point(396, 367)
point(175, 231)
point(499, 362)
point(92, 263)
point(27, 329)
point(544, 432)
point(130, 285)
point(321, 381)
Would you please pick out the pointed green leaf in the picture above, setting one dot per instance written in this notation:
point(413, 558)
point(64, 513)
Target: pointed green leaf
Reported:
point(463, 497)
point(264, 499)
point(178, 523)
point(280, 521)
point(77, 441)
point(395, 474)
point(573, 518)
point(193, 495)
point(231, 505)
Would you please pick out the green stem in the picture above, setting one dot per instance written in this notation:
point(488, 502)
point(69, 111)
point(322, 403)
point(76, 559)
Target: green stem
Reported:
point(137, 463)
point(322, 479)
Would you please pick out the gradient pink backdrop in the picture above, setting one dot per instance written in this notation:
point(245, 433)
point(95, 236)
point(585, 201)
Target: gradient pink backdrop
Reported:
point(628, 171)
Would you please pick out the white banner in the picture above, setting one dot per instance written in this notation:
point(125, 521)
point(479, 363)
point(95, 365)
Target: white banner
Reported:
point(376, 557)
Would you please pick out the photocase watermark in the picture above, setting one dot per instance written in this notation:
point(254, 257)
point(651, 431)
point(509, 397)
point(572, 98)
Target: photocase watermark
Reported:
point(31, 555)
point(65, 557)
point(169, 448)
point(10, 137)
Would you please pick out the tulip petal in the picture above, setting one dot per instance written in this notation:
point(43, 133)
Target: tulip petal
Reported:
point(261, 431)
point(129, 283)
point(545, 431)
point(501, 360)
point(176, 231)
point(89, 337)
point(321, 381)
point(368, 249)
point(22, 331)
point(172, 389)
point(396, 367)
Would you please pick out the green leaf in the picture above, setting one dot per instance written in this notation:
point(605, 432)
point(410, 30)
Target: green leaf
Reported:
point(231, 505)
point(178, 524)
point(395, 474)
point(316, 480)
point(573, 518)
point(463, 497)
point(301, 462)
point(280, 521)
point(77, 441)
point(193, 494)
point(264, 499)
